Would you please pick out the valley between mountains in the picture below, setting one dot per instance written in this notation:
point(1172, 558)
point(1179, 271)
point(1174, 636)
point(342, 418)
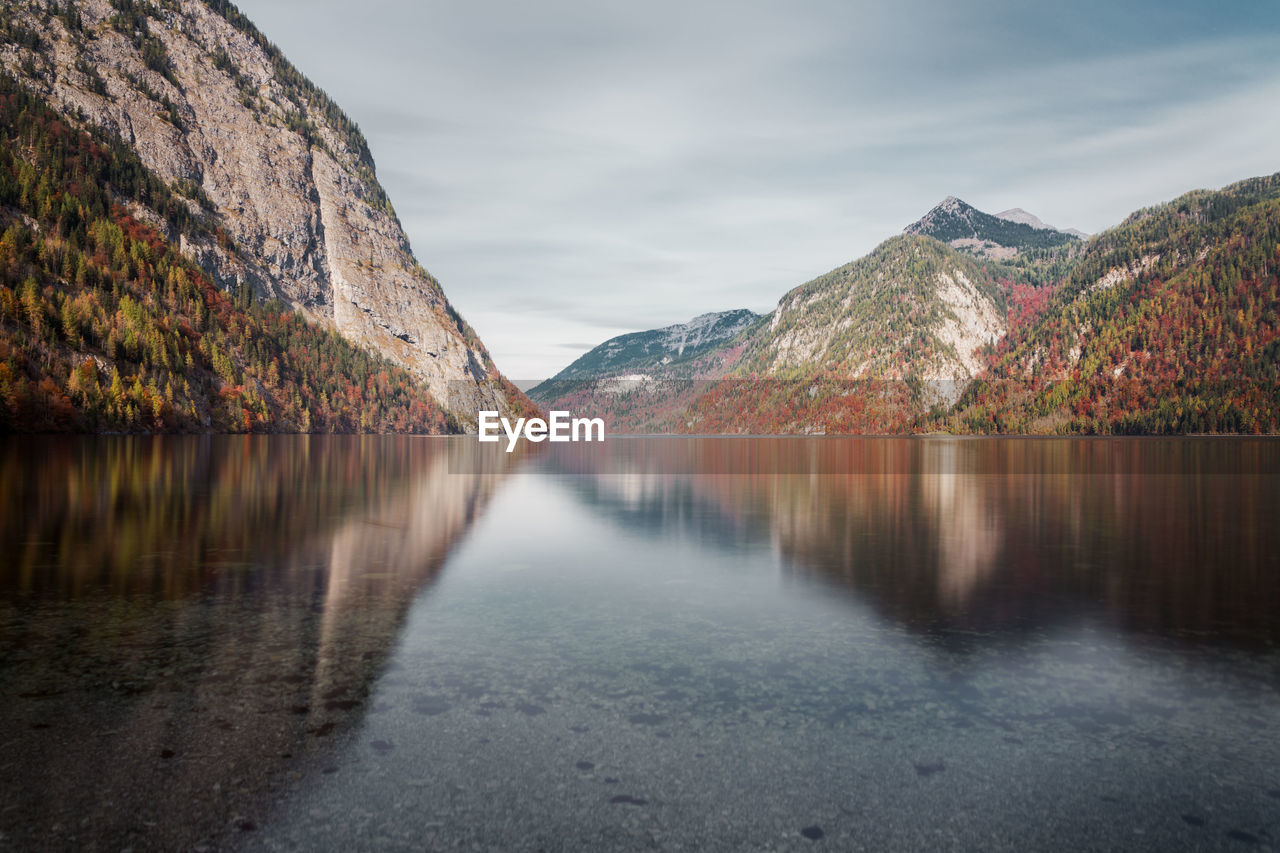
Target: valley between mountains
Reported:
point(969, 322)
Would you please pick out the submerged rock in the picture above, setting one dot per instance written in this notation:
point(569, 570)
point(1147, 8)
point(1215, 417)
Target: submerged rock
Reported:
point(627, 799)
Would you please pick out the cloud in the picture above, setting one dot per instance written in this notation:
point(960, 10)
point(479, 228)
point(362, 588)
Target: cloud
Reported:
point(572, 171)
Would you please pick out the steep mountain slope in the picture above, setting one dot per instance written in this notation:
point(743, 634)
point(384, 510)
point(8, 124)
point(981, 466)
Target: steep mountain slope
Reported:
point(1169, 322)
point(215, 110)
point(105, 325)
point(964, 227)
point(911, 307)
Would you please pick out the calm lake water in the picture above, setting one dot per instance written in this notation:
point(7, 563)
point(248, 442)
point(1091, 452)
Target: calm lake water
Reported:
point(292, 643)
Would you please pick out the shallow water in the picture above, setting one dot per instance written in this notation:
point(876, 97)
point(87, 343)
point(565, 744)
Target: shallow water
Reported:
point(738, 644)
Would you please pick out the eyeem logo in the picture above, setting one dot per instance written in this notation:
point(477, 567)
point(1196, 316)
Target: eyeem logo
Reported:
point(561, 427)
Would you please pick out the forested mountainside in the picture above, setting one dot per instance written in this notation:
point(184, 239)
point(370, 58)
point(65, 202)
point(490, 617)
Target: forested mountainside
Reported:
point(218, 115)
point(106, 326)
point(1167, 323)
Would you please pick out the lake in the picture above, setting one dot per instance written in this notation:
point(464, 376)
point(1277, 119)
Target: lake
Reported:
point(340, 643)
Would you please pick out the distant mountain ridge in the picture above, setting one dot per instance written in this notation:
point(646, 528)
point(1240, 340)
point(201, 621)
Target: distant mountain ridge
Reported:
point(1017, 214)
point(913, 309)
point(655, 349)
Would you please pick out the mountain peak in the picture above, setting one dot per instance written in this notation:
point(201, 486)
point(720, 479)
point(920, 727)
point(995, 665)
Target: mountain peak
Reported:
point(964, 227)
point(951, 204)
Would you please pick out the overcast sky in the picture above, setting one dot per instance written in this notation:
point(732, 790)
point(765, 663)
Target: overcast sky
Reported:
point(574, 171)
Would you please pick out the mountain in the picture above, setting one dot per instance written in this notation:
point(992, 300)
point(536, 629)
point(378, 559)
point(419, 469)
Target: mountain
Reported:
point(283, 177)
point(1167, 323)
point(911, 307)
point(105, 325)
point(905, 325)
point(654, 349)
point(1000, 237)
point(634, 381)
point(865, 348)
point(1017, 214)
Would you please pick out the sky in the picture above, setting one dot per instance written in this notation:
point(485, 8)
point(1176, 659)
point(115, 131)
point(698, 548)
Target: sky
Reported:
point(572, 171)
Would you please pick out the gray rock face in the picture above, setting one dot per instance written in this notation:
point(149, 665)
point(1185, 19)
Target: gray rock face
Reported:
point(289, 178)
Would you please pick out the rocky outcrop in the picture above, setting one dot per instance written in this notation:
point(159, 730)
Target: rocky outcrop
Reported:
point(213, 108)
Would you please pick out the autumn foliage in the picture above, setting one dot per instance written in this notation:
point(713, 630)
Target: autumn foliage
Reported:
point(104, 326)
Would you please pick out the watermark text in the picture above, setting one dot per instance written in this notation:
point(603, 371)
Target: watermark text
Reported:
point(559, 426)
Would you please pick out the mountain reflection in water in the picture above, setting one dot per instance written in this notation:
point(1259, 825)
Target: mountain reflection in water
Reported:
point(1171, 538)
point(752, 643)
point(184, 621)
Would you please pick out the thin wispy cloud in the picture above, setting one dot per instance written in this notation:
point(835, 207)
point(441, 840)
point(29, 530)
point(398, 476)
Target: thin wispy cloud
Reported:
point(572, 171)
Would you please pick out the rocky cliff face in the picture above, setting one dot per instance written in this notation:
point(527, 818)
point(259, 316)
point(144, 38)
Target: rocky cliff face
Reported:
point(212, 107)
